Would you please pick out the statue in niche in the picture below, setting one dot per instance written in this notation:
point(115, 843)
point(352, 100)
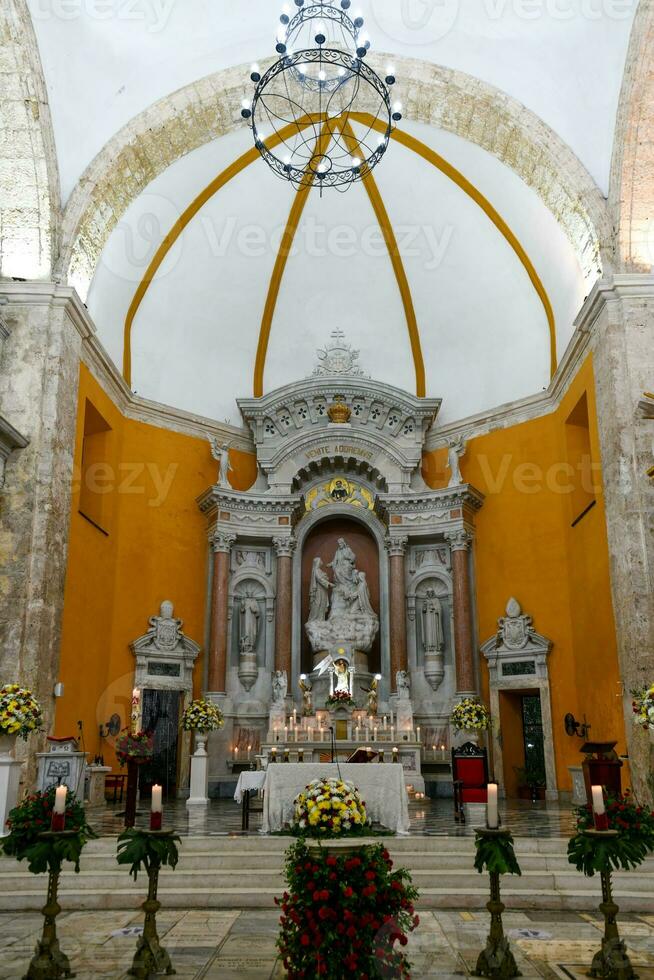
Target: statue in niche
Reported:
point(220, 452)
point(165, 631)
point(431, 620)
point(403, 685)
point(307, 697)
point(279, 686)
point(456, 448)
point(341, 677)
point(249, 614)
point(318, 591)
point(341, 613)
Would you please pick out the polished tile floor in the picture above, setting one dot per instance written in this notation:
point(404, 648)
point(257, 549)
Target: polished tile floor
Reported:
point(219, 945)
point(428, 817)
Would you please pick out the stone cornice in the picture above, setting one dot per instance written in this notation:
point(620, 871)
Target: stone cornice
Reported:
point(626, 285)
point(429, 500)
point(247, 501)
point(10, 438)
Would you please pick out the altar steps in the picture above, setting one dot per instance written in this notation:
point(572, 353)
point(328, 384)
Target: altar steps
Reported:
point(246, 872)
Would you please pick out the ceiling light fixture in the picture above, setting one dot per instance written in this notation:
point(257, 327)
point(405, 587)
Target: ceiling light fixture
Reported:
point(309, 98)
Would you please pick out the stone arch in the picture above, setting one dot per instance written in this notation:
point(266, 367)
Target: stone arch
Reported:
point(631, 197)
point(447, 99)
point(29, 177)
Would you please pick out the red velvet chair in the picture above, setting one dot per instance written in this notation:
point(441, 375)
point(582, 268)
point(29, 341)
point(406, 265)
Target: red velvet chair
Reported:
point(469, 776)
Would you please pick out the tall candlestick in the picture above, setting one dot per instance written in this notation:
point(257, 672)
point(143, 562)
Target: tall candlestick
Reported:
point(59, 809)
point(156, 808)
point(600, 816)
point(395, 754)
point(492, 812)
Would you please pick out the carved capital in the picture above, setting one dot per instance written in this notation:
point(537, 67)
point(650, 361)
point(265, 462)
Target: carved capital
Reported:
point(396, 545)
point(284, 547)
point(222, 541)
point(459, 540)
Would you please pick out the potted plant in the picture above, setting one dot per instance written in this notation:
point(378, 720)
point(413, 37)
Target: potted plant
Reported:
point(202, 717)
point(345, 914)
point(471, 716)
point(20, 715)
point(531, 781)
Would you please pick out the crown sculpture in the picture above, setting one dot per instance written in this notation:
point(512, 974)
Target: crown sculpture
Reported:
point(339, 413)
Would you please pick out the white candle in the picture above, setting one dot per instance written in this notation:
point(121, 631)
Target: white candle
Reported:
point(598, 800)
point(294, 716)
point(395, 754)
point(492, 813)
point(392, 732)
point(375, 733)
point(156, 805)
point(385, 720)
point(286, 733)
point(249, 751)
point(60, 800)
point(418, 733)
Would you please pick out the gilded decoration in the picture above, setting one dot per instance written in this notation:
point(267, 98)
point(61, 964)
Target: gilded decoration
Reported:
point(339, 491)
point(339, 413)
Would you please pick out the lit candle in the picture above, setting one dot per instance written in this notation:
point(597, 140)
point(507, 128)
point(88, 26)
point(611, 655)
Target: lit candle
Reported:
point(59, 809)
point(356, 733)
point(375, 733)
point(600, 815)
point(492, 812)
point(236, 753)
point(442, 748)
point(249, 752)
point(285, 755)
point(392, 732)
point(296, 738)
point(418, 733)
point(384, 722)
point(273, 754)
point(156, 808)
point(286, 733)
point(395, 754)
point(433, 748)
point(295, 716)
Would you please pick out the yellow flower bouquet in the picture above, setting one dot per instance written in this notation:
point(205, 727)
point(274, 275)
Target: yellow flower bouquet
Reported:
point(20, 712)
point(330, 808)
point(202, 716)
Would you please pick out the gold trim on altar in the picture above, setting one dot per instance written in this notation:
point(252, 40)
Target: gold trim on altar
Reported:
point(339, 491)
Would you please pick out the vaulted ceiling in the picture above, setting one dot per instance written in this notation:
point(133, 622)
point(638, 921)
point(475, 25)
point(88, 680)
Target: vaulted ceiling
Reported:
point(490, 276)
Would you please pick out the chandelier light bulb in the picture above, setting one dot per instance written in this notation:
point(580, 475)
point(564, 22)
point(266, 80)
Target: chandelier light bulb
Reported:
point(356, 162)
point(397, 107)
point(322, 76)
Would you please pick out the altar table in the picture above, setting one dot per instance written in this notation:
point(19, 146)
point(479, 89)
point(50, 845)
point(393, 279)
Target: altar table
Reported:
point(381, 787)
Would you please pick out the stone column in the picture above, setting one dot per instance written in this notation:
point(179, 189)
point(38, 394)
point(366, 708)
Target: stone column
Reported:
point(222, 546)
point(619, 315)
point(284, 548)
point(462, 606)
point(45, 330)
point(396, 547)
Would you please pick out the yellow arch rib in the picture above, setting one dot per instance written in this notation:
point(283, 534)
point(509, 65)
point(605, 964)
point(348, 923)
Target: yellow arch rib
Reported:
point(285, 246)
point(431, 156)
point(381, 214)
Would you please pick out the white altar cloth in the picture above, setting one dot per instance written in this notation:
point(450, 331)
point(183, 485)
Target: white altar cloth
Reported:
point(381, 787)
point(248, 780)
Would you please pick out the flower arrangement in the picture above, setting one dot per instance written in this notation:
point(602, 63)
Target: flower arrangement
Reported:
point(643, 706)
point(202, 716)
point(469, 715)
point(340, 697)
point(20, 712)
point(330, 808)
point(343, 916)
point(31, 818)
point(635, 840)
point(134, 747)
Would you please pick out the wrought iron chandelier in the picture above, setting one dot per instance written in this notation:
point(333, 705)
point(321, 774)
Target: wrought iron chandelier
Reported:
point(304, 106)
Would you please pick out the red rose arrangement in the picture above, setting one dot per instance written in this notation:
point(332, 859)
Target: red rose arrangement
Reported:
point(345, 914)
point(134, 747)
point(340, 697)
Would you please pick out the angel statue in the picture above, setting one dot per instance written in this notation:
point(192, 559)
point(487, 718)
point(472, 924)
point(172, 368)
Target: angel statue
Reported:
point(279, 686)
point(456, 448)
point(373, 697)
point(220, 452)
point(307, 696)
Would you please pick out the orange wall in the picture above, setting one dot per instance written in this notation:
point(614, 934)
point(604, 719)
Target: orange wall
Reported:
point(525, 547)
point(155, 549)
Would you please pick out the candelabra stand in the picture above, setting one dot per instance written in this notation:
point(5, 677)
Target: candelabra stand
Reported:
point(612, 961)
point(48, 962)
point(496, 960)
point(150, 956)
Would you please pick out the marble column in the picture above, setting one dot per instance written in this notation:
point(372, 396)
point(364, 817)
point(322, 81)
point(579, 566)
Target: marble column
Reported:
point(222, 546)
point(284, 548)
point(396, 547)
point(462, 606)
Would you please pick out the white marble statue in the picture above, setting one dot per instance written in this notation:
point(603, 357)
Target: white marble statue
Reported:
point(340, 612)
point(279, 686)
point(307, 696)
point(456, 448)
point(220, 452)
point(431, 621)
point(249, 614)
point(403, 685)
point(318, 591)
